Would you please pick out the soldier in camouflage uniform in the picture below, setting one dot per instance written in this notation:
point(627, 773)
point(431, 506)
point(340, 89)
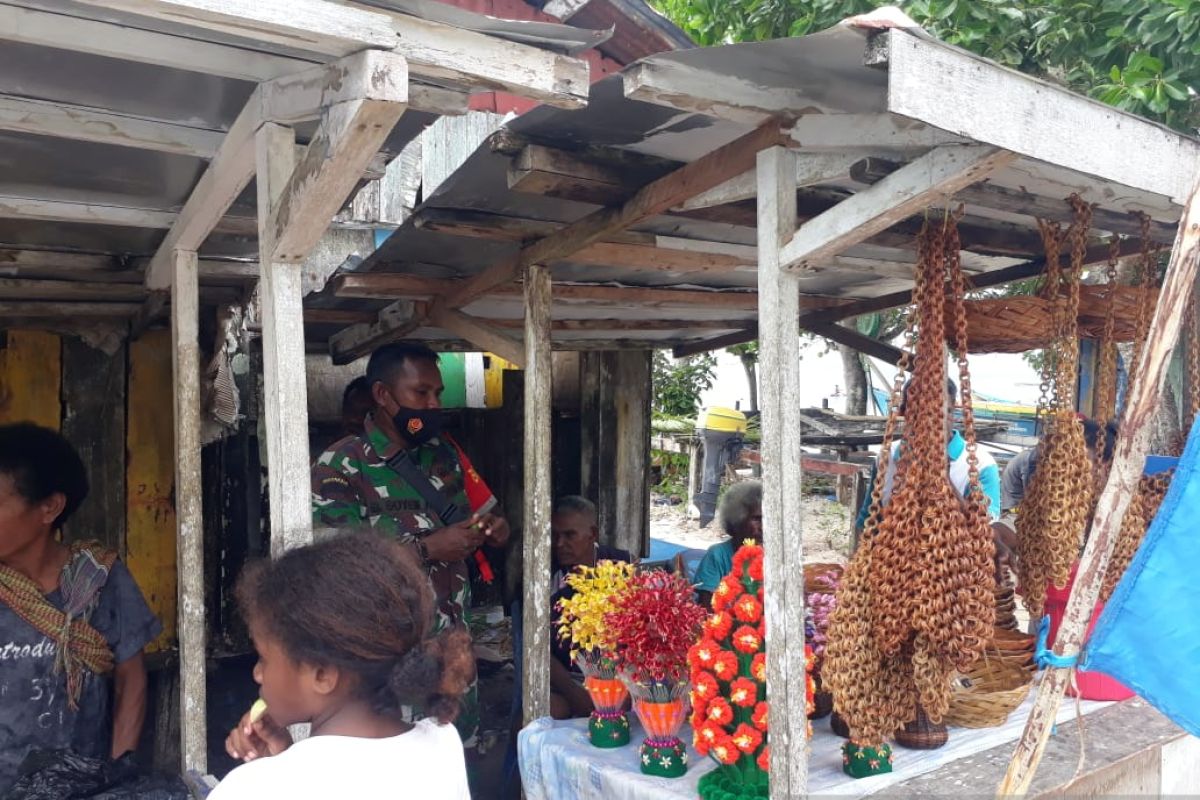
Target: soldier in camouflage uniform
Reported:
point(353, 485)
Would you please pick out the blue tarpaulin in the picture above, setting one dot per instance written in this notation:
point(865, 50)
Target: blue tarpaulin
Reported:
point(1148, 636)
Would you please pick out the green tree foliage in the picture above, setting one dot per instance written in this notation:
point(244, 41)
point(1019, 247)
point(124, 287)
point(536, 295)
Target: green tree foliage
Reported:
point(1138, 55)
point(678, 384)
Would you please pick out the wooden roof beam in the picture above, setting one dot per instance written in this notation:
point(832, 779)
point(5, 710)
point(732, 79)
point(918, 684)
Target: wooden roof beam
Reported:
point(350, 134)
point(691, 89)
point(481, 333)
point(935, 175)
point(385, 285)
point(313, 26)
point(361, 76)
point(437, 52)
point(78, 123)
point(951, 89)
point(869, 171)
point(812, 169)
point(95, 210)
point(653, 199)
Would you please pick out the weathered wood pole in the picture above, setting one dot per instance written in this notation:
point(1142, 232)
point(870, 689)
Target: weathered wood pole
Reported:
point(189, 523)
point(1128, 458)
point(536, 601)
point(285, 393)
point(783, 592)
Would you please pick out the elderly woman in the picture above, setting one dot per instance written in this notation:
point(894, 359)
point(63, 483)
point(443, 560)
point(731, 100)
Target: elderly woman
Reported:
point(741, 517)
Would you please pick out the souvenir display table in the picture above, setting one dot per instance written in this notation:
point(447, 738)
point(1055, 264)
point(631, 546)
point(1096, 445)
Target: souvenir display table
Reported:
point(557, 763)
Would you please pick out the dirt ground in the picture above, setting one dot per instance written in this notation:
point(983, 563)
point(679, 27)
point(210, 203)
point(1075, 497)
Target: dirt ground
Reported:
point(825, 526)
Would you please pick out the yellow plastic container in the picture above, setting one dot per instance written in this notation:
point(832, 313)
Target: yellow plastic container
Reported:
point(728, 420)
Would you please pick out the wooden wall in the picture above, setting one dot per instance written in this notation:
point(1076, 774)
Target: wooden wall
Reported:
point(116, 409)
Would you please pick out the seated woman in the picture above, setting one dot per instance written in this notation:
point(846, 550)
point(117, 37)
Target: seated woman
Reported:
point(741, 517)
point(72, 621)
point(343, 631)
point(575, 532)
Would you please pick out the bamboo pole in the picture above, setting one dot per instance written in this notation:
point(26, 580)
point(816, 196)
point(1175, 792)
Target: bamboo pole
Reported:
point(1128, 458)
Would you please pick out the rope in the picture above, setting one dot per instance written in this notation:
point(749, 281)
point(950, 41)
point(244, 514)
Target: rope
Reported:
point(80, 646)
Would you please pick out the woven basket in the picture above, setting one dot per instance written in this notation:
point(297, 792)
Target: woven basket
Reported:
point(985, 696)
point(922, 734)
point(1017, 324)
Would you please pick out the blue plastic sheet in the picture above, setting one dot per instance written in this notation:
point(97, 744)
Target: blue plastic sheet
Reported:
point(1148, 637)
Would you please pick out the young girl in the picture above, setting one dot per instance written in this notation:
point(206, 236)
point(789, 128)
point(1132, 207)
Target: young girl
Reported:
point(342, 630)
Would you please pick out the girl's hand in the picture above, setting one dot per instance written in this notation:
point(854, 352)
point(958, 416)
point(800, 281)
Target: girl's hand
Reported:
point(251, 740)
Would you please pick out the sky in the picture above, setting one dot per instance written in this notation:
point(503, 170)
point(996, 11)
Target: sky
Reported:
point(1002, 376)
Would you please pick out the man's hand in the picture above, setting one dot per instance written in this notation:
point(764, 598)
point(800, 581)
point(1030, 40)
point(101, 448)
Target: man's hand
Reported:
point(495, 529)
point(251, 740)
point(454, 542)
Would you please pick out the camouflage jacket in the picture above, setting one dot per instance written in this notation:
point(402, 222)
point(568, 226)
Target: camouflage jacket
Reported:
point(352, 485)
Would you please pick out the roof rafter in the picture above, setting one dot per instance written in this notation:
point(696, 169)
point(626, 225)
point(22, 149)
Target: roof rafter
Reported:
point(939, 173)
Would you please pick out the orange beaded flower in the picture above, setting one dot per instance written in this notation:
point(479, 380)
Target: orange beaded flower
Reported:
point(746, 738)
point(743, 692)
point(747, 640)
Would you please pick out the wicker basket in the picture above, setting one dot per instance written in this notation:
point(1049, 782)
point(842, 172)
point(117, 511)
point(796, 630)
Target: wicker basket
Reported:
point(985, 696)
point(922, 734)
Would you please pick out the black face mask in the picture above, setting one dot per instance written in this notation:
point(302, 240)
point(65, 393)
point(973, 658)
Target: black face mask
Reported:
point(418, 426)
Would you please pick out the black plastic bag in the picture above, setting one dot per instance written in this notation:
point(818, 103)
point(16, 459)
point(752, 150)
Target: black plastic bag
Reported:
point(63, 775)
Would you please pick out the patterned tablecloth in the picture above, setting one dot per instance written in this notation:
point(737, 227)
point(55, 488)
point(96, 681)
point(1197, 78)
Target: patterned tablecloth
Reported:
point(557, 763)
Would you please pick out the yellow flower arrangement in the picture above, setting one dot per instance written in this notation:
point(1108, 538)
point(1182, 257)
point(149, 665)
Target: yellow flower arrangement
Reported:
point(582, 615)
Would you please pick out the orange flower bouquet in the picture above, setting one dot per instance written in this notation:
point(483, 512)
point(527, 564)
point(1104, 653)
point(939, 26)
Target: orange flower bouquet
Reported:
point(581, 622)
point(654, 624)
point(729, 685)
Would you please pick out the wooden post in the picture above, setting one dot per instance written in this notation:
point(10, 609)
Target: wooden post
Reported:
point(285, 393)
point(189, 523)
point(779, 340)
point(1128, 458)
point(536, 678)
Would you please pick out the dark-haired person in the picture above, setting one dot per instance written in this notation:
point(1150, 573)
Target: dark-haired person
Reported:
point(82, 687)
point(359, 482)
point(344, 636)
point(1019, 471)
point(356, 404)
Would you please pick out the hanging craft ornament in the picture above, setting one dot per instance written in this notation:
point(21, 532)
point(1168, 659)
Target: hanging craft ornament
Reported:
point(917, 602)
point(581, 622)
point(1057, 505)
point(1104, 404)
point(1143, 507)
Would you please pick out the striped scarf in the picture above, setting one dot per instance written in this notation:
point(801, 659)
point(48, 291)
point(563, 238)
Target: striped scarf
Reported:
point(79, 645)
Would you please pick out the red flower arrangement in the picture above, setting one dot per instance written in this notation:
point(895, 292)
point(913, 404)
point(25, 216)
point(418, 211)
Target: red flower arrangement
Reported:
point(655, 623)
point(731, 727)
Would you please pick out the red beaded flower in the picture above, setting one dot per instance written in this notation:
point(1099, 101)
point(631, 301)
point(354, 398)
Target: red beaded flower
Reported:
point(759, 717)
point(725, 751)
point(758, 667)
point(747, 609)
point(764, 759)
point(747, 739)
point(720, 712)
point(728, 591)
point(726, 666)
point(717, 625)
point(743, 692)
point(747, 639)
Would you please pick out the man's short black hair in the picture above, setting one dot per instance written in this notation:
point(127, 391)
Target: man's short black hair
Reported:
point(387, 360)
point(951, 389)
point(41, 462)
